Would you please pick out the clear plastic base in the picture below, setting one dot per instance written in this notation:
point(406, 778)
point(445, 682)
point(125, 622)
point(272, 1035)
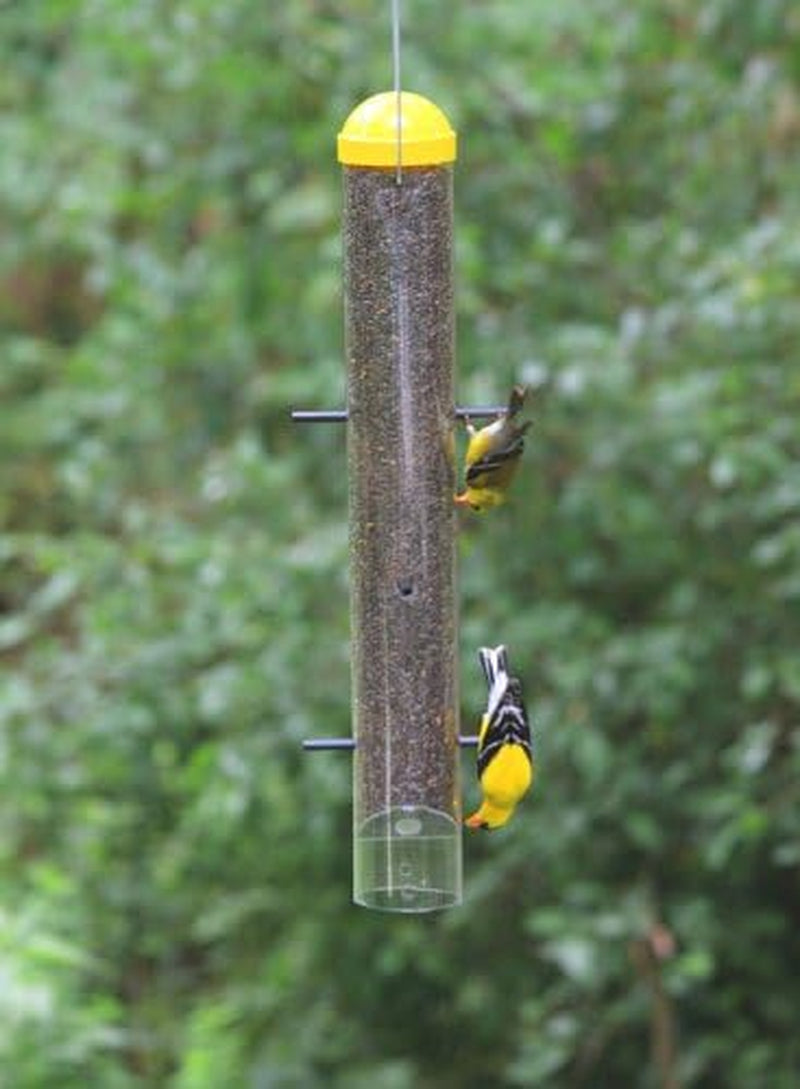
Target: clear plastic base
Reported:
point(407, 859)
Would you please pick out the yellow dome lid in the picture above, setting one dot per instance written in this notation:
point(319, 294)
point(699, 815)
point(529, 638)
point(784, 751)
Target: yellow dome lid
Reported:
point(369, 135)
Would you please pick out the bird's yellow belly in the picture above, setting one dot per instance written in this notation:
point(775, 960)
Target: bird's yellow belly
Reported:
point(508, 776)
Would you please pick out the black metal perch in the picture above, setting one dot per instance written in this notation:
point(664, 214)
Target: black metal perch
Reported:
point(323, 744)
point(339, 415)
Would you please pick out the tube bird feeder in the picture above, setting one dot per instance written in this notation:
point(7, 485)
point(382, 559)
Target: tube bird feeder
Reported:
point(399, 343)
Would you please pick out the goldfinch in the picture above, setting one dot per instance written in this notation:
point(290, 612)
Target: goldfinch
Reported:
point(492, 456)
point(506, 766)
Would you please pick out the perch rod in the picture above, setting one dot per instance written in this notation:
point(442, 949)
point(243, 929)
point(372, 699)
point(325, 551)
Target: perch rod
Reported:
point(339, 415)
point(321, 744)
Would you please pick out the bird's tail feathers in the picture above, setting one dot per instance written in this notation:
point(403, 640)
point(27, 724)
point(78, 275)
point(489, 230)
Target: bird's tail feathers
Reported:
point(516, 400)
point(494, 662)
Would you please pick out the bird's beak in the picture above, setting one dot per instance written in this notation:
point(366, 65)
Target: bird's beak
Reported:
point(461, 500)
point(475, 821)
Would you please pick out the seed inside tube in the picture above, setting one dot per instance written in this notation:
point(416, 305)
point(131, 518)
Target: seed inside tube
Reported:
point(400, 348)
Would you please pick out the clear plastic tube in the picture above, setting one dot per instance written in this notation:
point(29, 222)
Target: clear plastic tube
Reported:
point(400, 348)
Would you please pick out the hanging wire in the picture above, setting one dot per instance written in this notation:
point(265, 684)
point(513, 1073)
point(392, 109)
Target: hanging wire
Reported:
point(397, 90)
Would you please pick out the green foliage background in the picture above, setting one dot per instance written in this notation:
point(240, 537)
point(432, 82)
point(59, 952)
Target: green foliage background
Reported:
point(173, 610)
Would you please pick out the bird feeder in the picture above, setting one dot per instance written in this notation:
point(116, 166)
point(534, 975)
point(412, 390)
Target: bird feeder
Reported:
point(399, 340)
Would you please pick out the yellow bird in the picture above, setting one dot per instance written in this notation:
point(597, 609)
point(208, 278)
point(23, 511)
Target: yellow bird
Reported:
point(492, 456)
point(506, 766)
